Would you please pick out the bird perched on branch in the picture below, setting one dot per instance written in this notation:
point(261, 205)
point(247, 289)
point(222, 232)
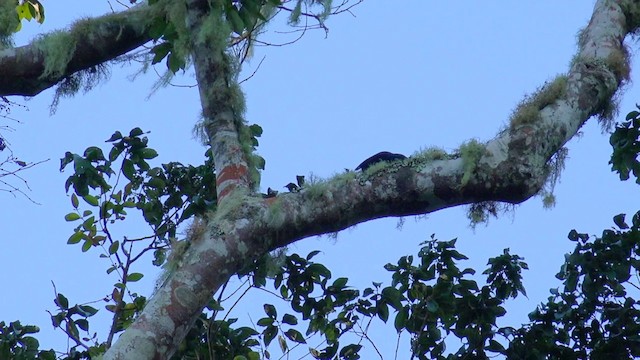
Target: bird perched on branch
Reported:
point(381, 156)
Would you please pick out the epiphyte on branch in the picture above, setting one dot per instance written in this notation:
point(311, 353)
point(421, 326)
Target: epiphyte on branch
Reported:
point(381, 156)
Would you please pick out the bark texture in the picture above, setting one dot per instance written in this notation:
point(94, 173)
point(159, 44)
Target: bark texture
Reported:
point(510, 168)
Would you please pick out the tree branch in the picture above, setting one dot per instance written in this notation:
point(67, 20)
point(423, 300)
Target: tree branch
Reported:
point(510, 168)
point(221, 98)
point(97, 41)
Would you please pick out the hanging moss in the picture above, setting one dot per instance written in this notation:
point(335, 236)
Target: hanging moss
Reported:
point(553, 169)
point(72, 84)
point(57, 48)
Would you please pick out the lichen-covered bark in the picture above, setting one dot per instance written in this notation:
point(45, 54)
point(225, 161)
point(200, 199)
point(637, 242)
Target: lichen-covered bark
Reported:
point(221, 99)
point(511, 168)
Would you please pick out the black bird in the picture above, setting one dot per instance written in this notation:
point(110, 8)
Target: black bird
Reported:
point(381, 156)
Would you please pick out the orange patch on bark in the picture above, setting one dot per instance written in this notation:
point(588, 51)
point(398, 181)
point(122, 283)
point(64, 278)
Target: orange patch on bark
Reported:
point(232, 173)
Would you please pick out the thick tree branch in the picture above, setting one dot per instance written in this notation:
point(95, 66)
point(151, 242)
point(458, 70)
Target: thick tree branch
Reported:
point(97, 40)
point(510, 168)
point(221, 98)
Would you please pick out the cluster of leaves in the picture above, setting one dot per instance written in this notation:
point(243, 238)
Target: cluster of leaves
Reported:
point(218, 339)
point(243, 15)
point(435, 296)
point(166, 195)
point(16, 343)
point(71, 320)
point(30, 10)
point(593, 316)
point(427, 297)
point(244, 19)
point(297, 282)
point(625, 141)
point(110, 186)
point(13, 12)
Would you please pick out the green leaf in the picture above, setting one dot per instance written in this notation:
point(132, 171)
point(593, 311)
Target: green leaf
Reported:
point(72, 329)
point(237, 25)
point(86, 245)
point(116, 136)
point(295, 335)
point(82, 324)
point(136, 132)
point(383, 312)
point(294, 18)
point(401, 319)
point(87, 310)
point(62, 301)
point(269, 334)
point(157, 27)
point(91, 200)
point(113, 248)
point(74, 201)
point(265, 321)
point(256, 130)
point(632, 115)
point(289, 319)
point(619, 221)
point(270, 310)
point(393, 296)
point(127, 169)
point(283, 344)
point(249, 19)
point(148, 153)
point(75, 238)
point(175, 62)
point(72, 216)
point(340, 283)
point(133, 277)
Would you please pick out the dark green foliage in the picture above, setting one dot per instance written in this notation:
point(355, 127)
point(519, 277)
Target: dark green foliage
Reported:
point(625, 141)
point(16, 343)
point(595, 315)
point(218, 339)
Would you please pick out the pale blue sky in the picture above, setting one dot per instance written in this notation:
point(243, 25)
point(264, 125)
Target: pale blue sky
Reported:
point(397, 78)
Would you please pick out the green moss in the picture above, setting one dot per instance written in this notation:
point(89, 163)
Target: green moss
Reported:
point(229, 205)
point(528, 110)
point(618, 62)
point(471, 152)
point(426, 156)
point(376, 167)
point(177, 14)
point(276, 215)
point(214, 30)
point(345, 177)
point(315, 187)
point(58, 48)
point(9, 22)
